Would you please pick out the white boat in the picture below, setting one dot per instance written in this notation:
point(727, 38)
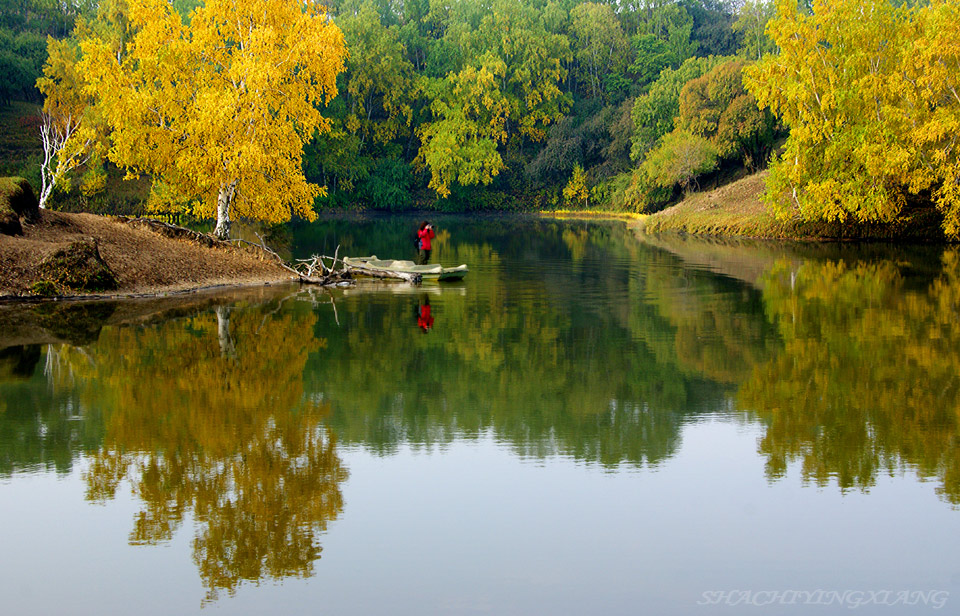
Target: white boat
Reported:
point(426, 272)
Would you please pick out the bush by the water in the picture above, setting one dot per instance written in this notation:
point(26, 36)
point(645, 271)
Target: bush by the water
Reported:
point(78, 267)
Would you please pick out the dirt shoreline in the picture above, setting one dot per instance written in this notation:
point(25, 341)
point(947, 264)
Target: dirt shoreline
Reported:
point(144, 263)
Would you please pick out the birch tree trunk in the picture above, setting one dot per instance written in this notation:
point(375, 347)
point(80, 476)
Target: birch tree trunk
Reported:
point(224, 201)
point(59, 159)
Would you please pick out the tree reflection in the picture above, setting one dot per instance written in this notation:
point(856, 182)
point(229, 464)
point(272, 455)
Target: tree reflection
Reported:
point(567, 360)
point(207, 414)
point(869, 377)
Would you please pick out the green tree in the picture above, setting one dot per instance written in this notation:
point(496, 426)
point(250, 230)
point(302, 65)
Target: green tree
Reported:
point(652, 55)
point(752, 25)
point(601, 48)
point(679, 159)
point(654, 112)
point(382, 86)
point(717, 106)
point(503, 91)
point(460, 145)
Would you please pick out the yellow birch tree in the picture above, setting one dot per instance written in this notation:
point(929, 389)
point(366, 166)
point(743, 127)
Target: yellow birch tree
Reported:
point(870, 93)
point(218, 107)
point(576, 189)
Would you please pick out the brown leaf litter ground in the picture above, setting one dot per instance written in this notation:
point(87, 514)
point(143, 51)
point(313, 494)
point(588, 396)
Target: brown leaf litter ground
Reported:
point(143, 261)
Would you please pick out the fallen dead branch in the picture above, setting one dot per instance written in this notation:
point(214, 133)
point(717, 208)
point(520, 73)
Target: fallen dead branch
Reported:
point(317, 263)
point(314, 271)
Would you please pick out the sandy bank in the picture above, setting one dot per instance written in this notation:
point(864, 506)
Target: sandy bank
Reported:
point(143, 261)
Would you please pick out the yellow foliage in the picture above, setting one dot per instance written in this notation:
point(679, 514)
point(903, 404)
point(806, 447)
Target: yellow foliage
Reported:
point(228, 98)
point(225, 432)
point(867, 378)
point(872, 104)
point(576, 189)
point(93, 182)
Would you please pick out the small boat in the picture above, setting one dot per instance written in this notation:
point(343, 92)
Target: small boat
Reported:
point(427, 272)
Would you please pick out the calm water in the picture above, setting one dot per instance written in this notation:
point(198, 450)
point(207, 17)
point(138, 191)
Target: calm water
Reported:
point(589, 423)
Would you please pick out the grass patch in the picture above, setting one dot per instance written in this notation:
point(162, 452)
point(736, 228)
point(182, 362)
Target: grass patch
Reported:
point(592, 214)
point(737, 209)
point(78, 267)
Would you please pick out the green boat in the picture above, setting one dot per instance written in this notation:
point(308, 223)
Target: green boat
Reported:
point(426, 272)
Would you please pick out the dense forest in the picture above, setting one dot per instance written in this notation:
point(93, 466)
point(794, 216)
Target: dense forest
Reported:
point(272, 110)
point(504, 104)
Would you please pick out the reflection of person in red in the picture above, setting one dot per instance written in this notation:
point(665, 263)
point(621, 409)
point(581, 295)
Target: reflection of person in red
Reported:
point(425, 233)
point(424, 318)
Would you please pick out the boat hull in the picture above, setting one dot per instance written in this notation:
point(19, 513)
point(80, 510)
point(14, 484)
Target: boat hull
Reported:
point(426, 272)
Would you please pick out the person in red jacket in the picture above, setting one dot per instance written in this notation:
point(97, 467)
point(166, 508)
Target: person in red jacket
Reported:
point(425, 233)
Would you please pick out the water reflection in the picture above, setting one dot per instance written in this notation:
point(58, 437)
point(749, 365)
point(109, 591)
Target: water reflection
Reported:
point(424, 314)
point(868, 380)
point(206, 415)
point(572, 339)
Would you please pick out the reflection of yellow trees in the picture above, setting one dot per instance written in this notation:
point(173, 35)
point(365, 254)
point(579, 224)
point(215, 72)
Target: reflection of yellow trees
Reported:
point(576, 240)
point(208, 414)
point(869, 379)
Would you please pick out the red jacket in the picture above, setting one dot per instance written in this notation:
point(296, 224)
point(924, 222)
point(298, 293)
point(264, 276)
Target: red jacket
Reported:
point(425, 235)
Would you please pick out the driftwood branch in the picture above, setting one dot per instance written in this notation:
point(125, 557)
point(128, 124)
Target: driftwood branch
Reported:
point(350, 269)
point(314, 270)
point(173, 231)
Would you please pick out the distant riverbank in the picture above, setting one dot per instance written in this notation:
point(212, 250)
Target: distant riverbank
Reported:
point(737, 209)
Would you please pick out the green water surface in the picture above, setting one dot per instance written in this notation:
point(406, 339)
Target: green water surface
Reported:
point(590, 422)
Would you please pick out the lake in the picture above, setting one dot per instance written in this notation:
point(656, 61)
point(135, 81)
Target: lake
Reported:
point(590, 422)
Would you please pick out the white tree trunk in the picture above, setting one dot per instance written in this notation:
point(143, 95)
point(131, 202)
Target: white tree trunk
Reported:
point(224, 201)
point(55, 132)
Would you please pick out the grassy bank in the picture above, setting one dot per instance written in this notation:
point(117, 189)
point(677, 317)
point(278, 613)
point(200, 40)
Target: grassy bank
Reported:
point(592, 214)
point(737, 209)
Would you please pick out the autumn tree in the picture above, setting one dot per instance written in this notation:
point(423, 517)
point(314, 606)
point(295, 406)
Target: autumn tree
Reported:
point(218, 106)
point(865, 383)
point(872, 104)
point(225, 434)
point(73, 129)
point(66, 138)
point(576, 189)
